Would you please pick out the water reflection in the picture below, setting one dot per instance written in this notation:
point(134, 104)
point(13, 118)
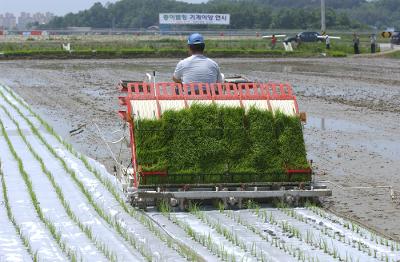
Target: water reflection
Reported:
point(362, 136)
point(332, 124)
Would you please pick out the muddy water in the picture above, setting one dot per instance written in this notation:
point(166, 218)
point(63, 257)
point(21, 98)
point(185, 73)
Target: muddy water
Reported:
point(352, 105)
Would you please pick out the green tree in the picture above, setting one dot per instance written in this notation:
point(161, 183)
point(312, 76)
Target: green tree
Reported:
point(304, 14)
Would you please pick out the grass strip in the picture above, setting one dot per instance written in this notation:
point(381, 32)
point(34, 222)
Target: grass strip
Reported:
point(71, 254)
point(22, 236)
point(142, 218)
point(394, 55)
point(232, 44)
point(156, 53)
point(101, 246)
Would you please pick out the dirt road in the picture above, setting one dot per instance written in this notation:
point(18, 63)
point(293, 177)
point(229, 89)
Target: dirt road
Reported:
point(353, 108)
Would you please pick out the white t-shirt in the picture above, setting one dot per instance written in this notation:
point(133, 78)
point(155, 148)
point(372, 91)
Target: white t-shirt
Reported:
point(327, 40)
point(197, 68)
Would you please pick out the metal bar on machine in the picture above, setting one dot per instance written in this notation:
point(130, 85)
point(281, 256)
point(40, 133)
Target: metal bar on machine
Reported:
point(239, 194)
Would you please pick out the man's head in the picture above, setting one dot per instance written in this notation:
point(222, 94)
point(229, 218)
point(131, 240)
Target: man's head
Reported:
point(196, 43)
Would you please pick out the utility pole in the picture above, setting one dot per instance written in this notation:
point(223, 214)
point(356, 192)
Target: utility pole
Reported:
point(323, 24)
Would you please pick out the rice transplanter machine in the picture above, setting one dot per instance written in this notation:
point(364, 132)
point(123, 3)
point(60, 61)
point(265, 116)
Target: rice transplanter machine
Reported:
point(149, 99)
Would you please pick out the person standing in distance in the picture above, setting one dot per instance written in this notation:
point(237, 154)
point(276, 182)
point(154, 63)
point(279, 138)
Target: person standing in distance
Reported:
point(373, 43)
point(273, 41)
point(356, 43)
point(327, 42)
point(197, 68)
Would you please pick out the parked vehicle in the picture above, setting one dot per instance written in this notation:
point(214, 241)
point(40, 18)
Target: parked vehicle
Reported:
point(304, 37)
point(395, 39)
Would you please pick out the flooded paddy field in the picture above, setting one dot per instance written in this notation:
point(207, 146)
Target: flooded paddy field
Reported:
point(352, 104)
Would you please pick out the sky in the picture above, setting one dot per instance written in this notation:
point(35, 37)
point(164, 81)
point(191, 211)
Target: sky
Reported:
point(58, 7)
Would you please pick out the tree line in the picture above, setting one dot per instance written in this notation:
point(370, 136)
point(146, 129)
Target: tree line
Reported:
point(245, 14)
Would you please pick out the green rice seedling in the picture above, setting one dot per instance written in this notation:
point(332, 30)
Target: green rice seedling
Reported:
point(334, 251)
point(251, 204)
point(363, 247)
point(236, 143)
point(299, 255)
point(100, 211)
point(325, 246)
point(214, 141)
point(164, 207)
point(25, 240)
point(228, 234)
point(151, 148)
point(184, 250)
point(309, 236)
point(325, 230)
point(233, 237)
point(257, 209)
point(264, 142)
point(221, 206)
point(60, 195)
point(205, 240)
point(253, 249)
point(55, 234)
point(292, 147)
point(272, 219)
point(285, 226)
point(264, 215)
point(105, 182)
point(194, 207)
point(353, 226)
point(320, 244)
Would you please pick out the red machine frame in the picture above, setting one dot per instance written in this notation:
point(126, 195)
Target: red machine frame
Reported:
point(197, 91)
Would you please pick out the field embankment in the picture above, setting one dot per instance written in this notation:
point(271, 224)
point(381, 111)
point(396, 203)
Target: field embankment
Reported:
point(106, 47)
